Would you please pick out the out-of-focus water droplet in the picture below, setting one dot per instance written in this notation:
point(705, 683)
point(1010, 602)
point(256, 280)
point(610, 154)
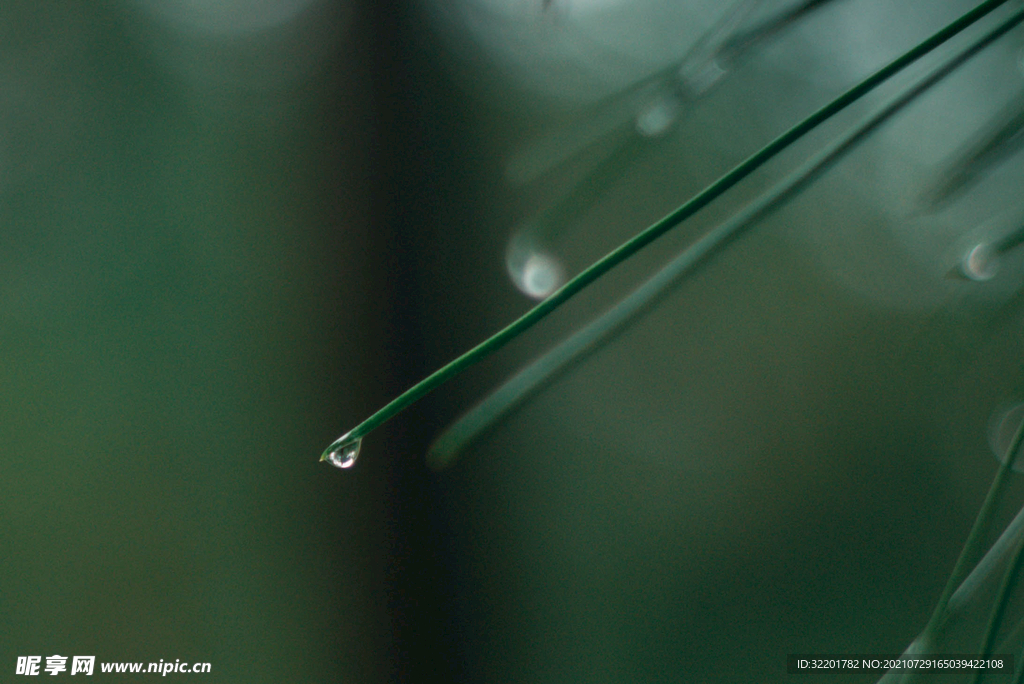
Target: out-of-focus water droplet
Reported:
point(345, 455)
point(980, 263)
point(542, 274)
point(1002, 428)
point(658, 117)
point(535, 272)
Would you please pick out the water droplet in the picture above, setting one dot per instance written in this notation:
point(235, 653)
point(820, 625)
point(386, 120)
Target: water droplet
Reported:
point(1001, 430)
point(980, 263)
point(535, 272)
point(344, 455)
point(542, 274)
point(658, 117)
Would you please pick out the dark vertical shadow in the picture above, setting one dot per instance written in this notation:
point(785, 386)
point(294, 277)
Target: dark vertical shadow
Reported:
point(411, 137)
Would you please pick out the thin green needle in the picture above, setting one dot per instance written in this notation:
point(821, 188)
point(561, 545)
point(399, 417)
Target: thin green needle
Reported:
point(1012, 572)
point(633, 245)
point(976, 537)
point(947, 608)
point(999, 609)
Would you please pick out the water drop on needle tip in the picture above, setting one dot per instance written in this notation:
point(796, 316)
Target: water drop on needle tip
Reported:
point(344, 455)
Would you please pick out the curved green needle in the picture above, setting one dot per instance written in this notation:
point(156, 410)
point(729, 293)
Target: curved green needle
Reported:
point(642, 239)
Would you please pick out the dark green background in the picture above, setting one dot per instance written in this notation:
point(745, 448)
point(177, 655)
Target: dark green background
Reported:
point(209, 270)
